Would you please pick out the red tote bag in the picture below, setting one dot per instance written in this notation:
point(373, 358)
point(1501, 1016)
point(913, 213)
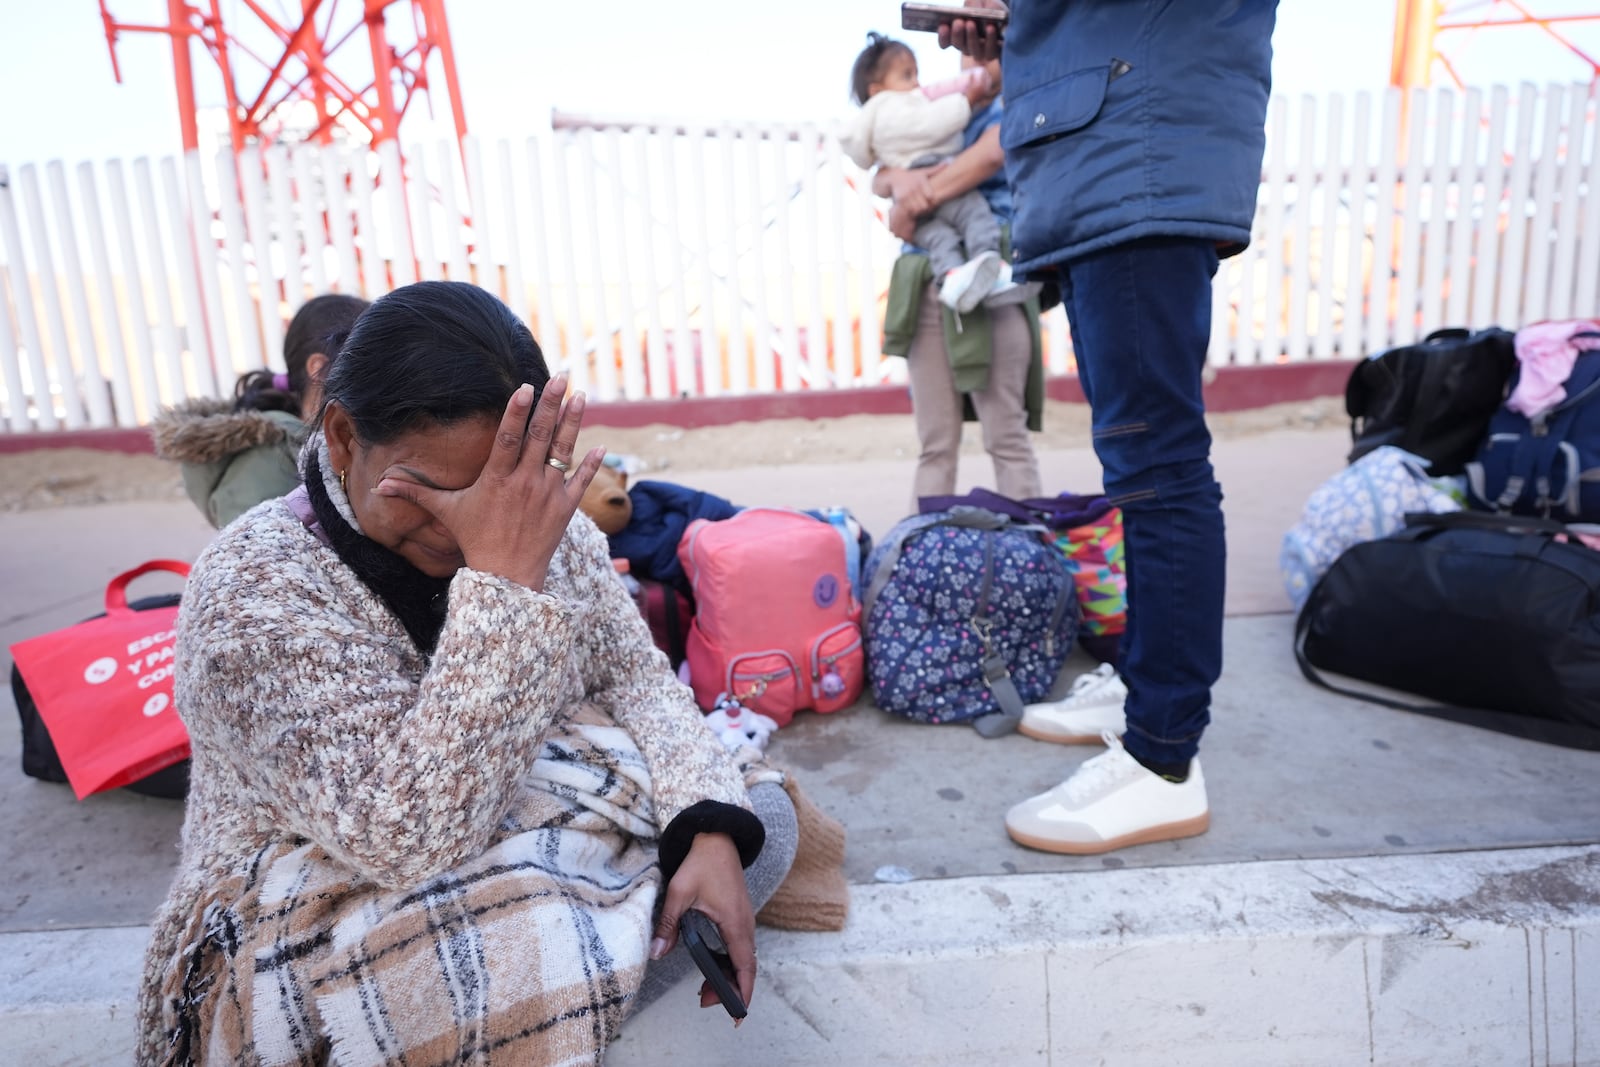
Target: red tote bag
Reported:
point(104, 689)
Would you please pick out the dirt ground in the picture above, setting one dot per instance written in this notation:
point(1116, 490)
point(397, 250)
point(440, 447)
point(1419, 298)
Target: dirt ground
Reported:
point(71, 476)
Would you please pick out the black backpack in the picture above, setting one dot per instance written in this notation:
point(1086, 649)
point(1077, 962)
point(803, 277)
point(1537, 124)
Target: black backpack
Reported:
point(39, 759)
point(1497, 616)
point(1433, 399)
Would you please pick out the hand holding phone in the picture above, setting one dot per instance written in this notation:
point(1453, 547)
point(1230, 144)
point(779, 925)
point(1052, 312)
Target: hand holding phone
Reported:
point(934, 17)
point(704, 942)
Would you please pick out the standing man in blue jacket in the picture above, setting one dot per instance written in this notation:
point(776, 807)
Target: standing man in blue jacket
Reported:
point(1133, 137)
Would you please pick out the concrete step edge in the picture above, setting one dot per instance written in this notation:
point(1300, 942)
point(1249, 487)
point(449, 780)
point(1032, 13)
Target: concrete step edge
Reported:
point(987, 969)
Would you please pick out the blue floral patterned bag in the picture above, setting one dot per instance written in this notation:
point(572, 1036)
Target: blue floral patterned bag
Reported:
point(969, 616)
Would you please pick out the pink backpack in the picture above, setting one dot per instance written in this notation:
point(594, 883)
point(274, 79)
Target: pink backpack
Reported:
point(776, 625)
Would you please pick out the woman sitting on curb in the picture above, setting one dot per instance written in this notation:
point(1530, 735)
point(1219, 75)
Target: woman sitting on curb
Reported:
point(440, 772)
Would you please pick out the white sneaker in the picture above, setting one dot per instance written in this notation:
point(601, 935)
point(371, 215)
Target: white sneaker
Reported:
point(1111, 802)
point(965, 287)
point(1092, 706)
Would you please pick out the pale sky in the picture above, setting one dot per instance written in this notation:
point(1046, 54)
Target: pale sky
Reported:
point(714, 59)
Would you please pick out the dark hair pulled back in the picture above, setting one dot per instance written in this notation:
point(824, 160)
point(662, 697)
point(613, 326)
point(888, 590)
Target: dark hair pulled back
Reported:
point(869, 64)
point(431, 353)
point(321, 325)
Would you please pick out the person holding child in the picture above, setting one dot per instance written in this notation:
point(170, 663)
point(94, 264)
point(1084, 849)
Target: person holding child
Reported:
point(447, 799)
point(905, 124)
point(986, 363)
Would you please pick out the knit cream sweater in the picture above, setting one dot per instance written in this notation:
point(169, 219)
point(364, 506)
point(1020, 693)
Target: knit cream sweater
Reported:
point(313, 716)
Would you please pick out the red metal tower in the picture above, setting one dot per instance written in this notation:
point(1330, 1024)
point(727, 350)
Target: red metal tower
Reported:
point(296, 78)
point(1444, 37)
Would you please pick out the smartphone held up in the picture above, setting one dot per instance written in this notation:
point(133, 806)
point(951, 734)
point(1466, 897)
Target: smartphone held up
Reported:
point(931, 18)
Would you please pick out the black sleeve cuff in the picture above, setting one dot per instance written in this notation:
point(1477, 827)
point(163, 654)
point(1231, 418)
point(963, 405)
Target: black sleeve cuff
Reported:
point(710, 817)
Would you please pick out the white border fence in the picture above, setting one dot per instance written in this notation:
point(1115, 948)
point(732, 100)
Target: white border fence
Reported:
point(659, 259)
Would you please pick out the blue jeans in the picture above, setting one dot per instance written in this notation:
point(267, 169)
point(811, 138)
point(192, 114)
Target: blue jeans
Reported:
point(1141, 319)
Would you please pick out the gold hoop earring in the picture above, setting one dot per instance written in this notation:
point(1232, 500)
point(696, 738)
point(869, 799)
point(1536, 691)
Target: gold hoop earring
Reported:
point(342, 488)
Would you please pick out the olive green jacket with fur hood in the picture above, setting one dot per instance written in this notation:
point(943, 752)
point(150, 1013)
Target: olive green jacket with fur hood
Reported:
point(231, 460)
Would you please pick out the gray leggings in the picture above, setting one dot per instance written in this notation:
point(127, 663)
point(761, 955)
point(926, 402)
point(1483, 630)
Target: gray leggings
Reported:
point(776, 812)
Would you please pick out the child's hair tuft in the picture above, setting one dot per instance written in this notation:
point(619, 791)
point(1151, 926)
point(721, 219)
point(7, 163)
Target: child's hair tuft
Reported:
point(869, 63)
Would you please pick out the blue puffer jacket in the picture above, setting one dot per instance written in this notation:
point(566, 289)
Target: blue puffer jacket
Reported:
point(1134, 118)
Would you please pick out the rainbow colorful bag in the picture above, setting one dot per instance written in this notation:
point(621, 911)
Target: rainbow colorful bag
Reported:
point(1094, 552)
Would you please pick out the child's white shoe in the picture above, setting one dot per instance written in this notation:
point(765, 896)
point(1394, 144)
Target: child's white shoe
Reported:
point(1007, 290)
point(968, 285)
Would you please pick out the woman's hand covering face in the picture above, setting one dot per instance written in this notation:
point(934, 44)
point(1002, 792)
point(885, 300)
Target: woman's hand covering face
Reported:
point(512, 518)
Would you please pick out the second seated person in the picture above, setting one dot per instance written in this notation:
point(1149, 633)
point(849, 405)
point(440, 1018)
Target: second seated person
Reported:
point(236, 453)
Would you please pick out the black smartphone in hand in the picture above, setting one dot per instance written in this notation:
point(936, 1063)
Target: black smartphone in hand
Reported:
point(930, 17)
point(704, 942)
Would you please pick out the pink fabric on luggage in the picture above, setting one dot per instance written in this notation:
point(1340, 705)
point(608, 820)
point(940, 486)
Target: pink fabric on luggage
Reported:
point(1547, 351)
point(774, 613)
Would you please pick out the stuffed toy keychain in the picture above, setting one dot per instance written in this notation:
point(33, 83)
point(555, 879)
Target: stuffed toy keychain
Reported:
point(737, 725)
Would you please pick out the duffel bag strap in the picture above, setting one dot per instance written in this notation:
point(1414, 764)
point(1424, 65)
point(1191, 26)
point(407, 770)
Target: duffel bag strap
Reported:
point(996, 672)
point(1484, 520)
point(1004, 721)
point(1566, 734)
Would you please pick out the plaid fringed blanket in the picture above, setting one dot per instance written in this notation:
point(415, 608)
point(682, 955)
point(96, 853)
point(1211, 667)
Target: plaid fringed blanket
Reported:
point(528, 954)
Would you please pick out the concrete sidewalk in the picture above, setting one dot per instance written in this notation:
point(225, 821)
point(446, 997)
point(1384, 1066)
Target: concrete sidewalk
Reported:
point(1376, 887)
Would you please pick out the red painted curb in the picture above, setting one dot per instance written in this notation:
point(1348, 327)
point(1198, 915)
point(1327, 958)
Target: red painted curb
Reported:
point(135, 441)
point(1242, 388)
point(1233, 389)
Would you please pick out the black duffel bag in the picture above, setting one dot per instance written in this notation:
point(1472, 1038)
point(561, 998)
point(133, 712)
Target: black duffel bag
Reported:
point(1495, 615)
point(1433, 399)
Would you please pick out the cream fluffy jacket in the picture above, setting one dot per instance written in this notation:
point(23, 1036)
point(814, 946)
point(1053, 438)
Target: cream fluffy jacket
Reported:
point(897, 129)
point(313, 715)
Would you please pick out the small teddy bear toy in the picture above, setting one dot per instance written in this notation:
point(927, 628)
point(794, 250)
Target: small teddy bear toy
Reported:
point(606, 501)
point(737, 725)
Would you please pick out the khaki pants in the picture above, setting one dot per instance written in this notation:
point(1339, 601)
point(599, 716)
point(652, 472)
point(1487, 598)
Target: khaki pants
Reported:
point(1002, 414)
